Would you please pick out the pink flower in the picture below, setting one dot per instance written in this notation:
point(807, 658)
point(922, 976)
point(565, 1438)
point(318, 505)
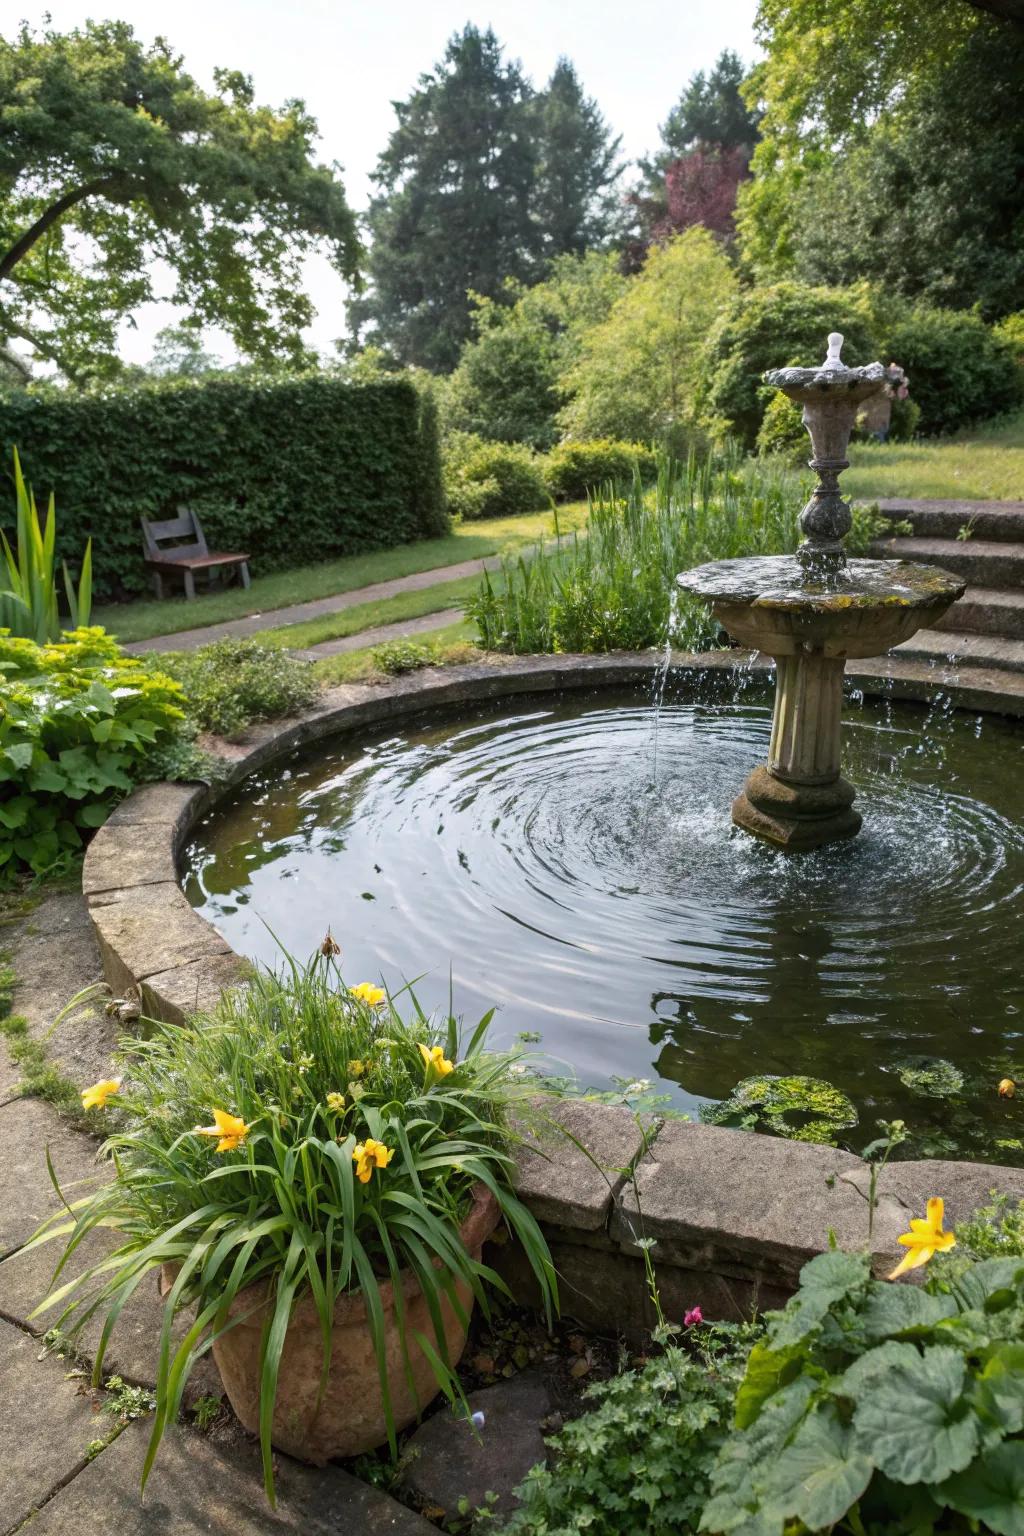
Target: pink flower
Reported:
point(693, 1318)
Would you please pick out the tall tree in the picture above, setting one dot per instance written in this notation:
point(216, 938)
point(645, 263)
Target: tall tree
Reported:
point(706, 144)
point(453, 209)
point(115, 164)
point(574, 201)
point(711, 113)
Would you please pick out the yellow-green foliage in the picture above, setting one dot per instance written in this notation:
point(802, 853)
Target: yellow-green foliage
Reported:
point(78, 720)
point(28, 601)
point(637, 371)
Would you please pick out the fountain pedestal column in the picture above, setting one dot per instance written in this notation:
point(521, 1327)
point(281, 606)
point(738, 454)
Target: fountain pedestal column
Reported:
point(798, 799)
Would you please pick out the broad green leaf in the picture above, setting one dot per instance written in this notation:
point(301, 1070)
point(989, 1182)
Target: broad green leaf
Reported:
point(915, 1421)
point(999, 1390)
point(820, 1474)
point(20, 754)
point(897, 1310)
point(992, 1490)
point(767, 1371)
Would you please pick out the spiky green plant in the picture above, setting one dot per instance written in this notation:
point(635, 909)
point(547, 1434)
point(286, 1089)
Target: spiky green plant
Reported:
point(28, 603)
point(612, 587)
point(311, 1071)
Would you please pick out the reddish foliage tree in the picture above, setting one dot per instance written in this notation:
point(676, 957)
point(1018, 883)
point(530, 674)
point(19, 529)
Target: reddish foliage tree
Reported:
point(700, 188)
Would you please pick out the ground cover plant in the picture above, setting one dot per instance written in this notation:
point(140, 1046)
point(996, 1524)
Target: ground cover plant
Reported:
point(312, 1137)
point(230, 684)
point(615, 589)
point(79, 724)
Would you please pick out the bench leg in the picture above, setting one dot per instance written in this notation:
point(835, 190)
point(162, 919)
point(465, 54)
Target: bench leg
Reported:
point(243, 571)
point(158, 584)
point(190, 584)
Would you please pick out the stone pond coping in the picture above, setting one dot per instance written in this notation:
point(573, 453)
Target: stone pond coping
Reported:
point(733, 1215)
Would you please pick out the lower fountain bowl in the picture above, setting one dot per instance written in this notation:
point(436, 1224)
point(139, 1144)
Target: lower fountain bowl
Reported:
point(770, 604)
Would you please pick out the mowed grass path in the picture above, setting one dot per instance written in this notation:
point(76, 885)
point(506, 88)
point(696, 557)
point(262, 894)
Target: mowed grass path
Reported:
point(279, 589)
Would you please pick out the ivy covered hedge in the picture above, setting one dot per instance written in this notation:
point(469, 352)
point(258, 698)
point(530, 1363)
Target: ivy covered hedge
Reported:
point(292, 470)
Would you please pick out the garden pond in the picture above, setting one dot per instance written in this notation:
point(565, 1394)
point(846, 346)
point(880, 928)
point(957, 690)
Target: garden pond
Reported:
point(569, 859)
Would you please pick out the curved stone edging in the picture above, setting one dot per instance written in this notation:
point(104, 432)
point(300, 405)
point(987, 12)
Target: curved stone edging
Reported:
point(734, 1215)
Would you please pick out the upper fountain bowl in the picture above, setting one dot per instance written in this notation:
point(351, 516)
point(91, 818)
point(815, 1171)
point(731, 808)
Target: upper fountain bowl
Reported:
point(830, 395)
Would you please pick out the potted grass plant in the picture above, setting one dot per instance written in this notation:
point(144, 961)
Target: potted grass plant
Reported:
point(314, 1169)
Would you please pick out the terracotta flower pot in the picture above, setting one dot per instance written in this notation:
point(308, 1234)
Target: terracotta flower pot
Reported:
point(349, 1418)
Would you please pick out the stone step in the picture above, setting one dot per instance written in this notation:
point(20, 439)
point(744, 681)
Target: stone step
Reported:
point(987, 611)
point(982, 562)
point(961, 650)
point(975, 688)
point(997, 521)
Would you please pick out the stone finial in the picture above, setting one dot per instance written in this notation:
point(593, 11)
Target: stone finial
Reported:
point(835, 346)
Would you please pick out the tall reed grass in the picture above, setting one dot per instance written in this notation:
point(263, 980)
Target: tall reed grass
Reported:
point(612, 587)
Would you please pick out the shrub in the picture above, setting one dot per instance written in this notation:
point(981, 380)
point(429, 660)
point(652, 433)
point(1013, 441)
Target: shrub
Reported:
point(572, 470)
point(777, 326)
point(639, 1459)
point(491, 479)
point(960, 370)
point(77, 724)
point(615, 589)
point(504, 388)
point(1011, 331)
point(293, 470)
point(870, 1407)
point(232, 683)
point(350, 1145)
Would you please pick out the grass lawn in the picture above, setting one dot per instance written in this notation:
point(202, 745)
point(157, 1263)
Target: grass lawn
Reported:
point(470, 541)
point(982, 464)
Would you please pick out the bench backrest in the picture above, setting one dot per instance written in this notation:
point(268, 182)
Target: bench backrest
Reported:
point(183, 535)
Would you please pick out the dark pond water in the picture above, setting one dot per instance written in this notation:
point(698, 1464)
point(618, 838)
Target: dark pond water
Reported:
point(571, 861)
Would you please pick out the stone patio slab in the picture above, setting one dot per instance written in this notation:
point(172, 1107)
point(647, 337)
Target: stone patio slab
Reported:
point(27, 1128)
point(199, 1486)
point(46, 1423)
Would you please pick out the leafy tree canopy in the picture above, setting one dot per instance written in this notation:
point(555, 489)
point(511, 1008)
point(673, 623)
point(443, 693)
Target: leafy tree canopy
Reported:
point(482, 181)
point(892, 126)
point(115, 165)
point(636, 374)
point(710, 112)
point(506, 386)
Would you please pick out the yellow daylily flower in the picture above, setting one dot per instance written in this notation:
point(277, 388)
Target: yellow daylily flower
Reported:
point(1007, 1088)
point(336, 1101)
point(925, 1239)
point(97, 1096)
point(435, 1060)
point(368, 1155)
point(366, 992)
point(231, 1130)
point(357, 1068)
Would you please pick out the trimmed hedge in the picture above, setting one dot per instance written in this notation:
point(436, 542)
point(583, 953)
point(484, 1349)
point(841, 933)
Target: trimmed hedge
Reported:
point(292, 470)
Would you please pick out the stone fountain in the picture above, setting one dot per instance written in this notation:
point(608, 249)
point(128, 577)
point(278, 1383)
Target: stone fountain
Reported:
point(812, 611)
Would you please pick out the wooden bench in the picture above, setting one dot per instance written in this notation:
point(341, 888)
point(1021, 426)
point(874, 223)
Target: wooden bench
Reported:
point(187, 554)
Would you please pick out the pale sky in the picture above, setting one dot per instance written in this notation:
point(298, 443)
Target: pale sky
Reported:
point(349, 61)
